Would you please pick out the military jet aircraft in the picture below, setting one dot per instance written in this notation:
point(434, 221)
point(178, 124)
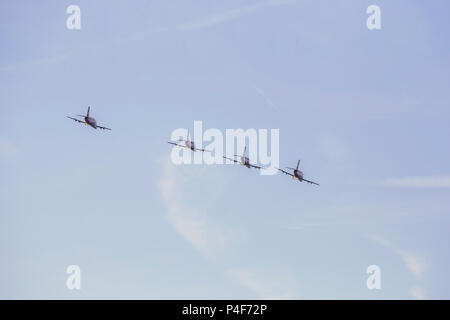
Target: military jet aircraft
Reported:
point(297, 174)
point(245, 161)
point(188, 144)
point(88, 120)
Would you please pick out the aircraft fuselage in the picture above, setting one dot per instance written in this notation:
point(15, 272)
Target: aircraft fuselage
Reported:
point(245, 161)
point(190, 145)
point(298, 174)
point(90, 121)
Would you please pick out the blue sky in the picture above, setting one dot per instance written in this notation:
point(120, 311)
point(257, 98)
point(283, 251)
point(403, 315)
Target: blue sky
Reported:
point(366, 111)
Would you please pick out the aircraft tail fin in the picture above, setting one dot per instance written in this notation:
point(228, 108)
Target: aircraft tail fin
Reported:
point(298, 164)
point(89, 109)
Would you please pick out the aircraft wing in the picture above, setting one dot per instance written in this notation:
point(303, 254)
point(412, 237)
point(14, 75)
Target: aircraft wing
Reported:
point(202, 150)
point(312, 182)
point(285, 172)
point(104, 128)
point(77, 120)
point(176, 144)
point(257, 167)
point(230, 159)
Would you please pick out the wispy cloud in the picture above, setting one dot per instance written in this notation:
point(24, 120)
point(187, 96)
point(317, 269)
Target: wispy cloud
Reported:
point(43, 61)
point(413, 263)
point(233, 14)
point(190, 222)
point(419, 182)
point(214, 19)
point(418, 293)
point(215, 241)
point(201, 23)
point(274, 285)
point(264, 96)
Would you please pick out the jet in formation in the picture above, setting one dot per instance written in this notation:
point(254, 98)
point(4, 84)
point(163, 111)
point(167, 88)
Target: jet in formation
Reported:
point(244, 161)
point(297, 174)
point(88, 120)
point(188, 144)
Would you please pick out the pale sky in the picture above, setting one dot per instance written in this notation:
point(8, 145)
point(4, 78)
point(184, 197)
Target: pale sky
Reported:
point(367, 111)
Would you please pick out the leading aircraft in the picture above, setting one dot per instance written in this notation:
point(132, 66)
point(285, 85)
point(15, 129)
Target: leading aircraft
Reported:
point(188, 144)
point(297, 174)
point(89, 120)
point(245, 161)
